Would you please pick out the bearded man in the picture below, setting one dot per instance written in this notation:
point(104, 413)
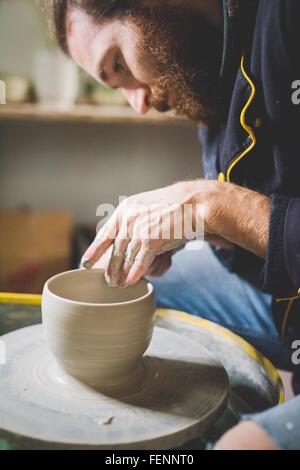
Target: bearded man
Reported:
point(230, 66)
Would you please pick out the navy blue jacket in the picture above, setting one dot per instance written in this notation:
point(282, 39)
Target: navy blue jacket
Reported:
point(258, 144)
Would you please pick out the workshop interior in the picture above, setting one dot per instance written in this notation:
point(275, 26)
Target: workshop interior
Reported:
point(149, 226)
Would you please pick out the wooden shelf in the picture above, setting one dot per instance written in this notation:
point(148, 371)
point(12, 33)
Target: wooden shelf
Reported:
point(85, 113)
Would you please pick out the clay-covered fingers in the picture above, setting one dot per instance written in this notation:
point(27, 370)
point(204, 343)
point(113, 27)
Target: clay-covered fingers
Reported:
point(104, 260)
point(118, 256)
point(132, 250)
point(103, 240)
point(141, 265)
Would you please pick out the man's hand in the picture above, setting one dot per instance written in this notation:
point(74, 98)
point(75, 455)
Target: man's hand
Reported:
point(246, 436)
point(150, 224)
point(160, 265)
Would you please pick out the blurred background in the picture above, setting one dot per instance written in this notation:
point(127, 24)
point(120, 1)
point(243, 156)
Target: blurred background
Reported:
point(67, 145)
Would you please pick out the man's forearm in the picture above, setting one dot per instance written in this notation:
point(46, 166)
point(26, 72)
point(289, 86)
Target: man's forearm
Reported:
point(241, 216)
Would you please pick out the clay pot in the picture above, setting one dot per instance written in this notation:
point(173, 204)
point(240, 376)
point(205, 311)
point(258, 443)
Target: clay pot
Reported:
point(97, 333)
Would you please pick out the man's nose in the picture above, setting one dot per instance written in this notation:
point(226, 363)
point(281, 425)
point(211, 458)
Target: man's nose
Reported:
point(139, 99)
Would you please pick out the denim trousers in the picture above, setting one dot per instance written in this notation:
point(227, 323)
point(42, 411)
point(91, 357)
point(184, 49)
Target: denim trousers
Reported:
point(199, 284)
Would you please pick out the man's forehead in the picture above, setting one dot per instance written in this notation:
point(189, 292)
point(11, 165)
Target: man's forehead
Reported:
point(88, 42)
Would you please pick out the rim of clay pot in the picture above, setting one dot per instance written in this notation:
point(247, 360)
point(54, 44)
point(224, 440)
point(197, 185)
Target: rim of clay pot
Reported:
point(99, 304)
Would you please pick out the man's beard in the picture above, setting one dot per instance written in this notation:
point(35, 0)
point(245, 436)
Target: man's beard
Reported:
point(185, 50)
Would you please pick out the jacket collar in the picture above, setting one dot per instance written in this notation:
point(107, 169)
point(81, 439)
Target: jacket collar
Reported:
point(239, 21)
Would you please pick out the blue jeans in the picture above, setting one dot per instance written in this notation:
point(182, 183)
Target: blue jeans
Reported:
point(199, 284)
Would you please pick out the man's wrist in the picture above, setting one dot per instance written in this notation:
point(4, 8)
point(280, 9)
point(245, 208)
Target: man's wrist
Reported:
point(208, 200)
point(236, 214)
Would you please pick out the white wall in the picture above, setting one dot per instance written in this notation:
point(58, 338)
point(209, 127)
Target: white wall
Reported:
point(22, 32)
point(78, 166)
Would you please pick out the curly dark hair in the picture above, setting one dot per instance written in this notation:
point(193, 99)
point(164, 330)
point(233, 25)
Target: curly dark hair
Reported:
point(98, 10)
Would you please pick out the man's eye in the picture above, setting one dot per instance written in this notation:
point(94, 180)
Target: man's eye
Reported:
point(118, 67)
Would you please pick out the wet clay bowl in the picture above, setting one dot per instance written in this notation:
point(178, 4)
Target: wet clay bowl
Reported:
point(97, 333)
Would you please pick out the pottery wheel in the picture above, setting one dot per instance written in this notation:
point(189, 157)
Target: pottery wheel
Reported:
point(182, 389)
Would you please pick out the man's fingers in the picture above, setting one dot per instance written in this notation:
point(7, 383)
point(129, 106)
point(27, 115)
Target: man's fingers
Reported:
point(100, 245)
point(141, 265)
point(115, 265)
point(95, 251)
point(132, 250)
point(160, 265)
point(104, 260)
